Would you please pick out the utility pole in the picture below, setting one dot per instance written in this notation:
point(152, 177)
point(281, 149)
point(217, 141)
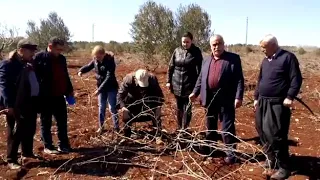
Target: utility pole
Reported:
point(247, 31)
point(92, 32)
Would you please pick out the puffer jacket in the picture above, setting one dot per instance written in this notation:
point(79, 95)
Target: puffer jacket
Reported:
point(184, 69)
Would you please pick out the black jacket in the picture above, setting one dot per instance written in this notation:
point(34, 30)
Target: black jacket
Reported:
point(105, 73)
point(15, 88)
point(130, 92)
point(184, 69)
point(43, 68)
point(231, 80)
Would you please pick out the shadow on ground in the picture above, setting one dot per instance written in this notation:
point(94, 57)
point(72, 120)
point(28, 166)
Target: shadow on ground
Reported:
point(306, 166)
point(257, 141)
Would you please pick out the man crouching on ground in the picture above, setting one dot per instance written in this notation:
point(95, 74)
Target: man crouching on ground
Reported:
point(140, 98)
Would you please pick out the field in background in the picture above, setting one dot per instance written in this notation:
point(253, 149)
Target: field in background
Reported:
point(98, 157)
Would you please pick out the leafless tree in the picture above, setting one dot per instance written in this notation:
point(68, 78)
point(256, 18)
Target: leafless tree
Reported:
point(7, 37)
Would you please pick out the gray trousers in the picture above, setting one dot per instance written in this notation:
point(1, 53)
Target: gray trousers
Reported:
point(272, 124)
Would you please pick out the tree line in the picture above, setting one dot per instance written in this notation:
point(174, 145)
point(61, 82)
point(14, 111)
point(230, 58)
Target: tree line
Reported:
point(155, 30)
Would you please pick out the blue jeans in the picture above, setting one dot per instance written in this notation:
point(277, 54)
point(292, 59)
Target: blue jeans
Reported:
point(109, 97)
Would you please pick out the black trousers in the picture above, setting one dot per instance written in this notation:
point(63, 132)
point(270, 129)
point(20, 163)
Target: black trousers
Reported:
point(184, 112)
point(221, 109)
point(272, 124)
point(20, 130)
point(56, 107)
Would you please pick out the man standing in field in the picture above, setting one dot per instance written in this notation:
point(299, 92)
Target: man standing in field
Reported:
point(52, 73)
point(221, 87)
point(279, 83)
point(19, 89)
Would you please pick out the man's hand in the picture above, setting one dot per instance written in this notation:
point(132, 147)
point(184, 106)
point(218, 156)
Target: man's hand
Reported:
point(168, 85)
point(4, 111)
point(80, 74)
point(237, 103)
point(8, 111)
point(192, 97)
point(287, 102)
point(255, 105)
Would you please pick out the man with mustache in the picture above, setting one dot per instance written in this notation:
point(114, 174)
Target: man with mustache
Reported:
point(19, 89)
point(278, 84)
point(221, 85)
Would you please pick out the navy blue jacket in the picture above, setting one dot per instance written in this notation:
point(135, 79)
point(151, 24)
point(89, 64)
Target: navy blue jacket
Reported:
point(9, 72)
point(231, 80)
point(15, 88)
point(43, 70)
point(105, 73)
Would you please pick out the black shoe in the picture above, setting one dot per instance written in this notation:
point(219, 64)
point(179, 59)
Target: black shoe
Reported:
point(229, 160)
point(25, 157)
point(117, 130)
point(269, 164)
point(206, 150)
point(127, 133)
point(32, 156)
point(64, 150)
point(281, 174)
point(157, 132)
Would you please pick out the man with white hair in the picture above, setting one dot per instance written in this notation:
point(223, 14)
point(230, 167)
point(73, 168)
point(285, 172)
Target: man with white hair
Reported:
point(140, 99)
point(278, 84)
point(221, 87)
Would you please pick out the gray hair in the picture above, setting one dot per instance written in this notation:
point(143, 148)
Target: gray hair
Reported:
point(270, 39)
point(217, 36)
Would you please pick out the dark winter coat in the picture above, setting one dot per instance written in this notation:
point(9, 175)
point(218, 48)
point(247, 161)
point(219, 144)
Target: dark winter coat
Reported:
point(184, 69)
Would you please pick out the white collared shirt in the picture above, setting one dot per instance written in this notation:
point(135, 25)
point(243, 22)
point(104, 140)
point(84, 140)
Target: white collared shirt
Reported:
point(274, 55)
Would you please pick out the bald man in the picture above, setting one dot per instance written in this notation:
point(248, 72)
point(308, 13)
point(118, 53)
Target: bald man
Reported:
point(278, 84)
point(221, 86)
